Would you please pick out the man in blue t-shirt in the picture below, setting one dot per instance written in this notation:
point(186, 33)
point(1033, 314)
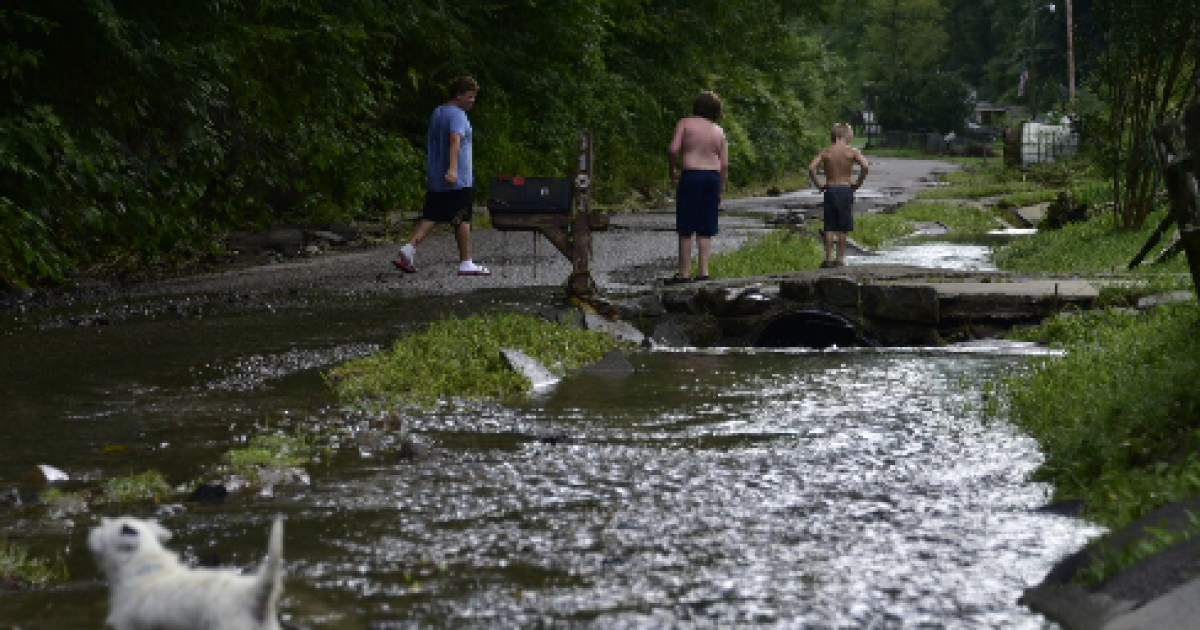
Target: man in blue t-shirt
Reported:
point(450, 178)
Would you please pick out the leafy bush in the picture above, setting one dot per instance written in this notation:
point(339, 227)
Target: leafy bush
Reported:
point(1117, 417)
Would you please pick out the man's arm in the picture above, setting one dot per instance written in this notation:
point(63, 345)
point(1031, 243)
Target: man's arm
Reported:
point(812, 171)
point(673, 152)
point(455, 148)
point(724, 157)
point(863, 167)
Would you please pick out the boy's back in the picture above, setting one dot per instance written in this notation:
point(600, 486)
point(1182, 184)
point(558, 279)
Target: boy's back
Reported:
point(838, 160)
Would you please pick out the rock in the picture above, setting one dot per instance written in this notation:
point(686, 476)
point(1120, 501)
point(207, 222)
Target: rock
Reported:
point(1109, 603)
point(666, 333)
point(323, 235)
point(915, 304)
point(613, 363)
point(539, 376)
point(208, 494)
point(619, 330)
point(43, 475)
point(838, 291)
point(1162, 299)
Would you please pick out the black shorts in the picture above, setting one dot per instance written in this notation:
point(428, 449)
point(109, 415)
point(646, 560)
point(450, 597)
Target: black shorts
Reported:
point(839, 209)
point(697, 199)
point(448, 206)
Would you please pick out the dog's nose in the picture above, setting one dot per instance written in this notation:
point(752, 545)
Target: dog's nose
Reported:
point(128, 531)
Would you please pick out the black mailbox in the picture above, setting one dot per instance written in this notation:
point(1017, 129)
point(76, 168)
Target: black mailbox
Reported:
point(531, 195)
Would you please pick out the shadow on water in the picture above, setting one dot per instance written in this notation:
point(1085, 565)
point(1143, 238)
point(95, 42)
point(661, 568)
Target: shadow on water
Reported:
point(795, 489)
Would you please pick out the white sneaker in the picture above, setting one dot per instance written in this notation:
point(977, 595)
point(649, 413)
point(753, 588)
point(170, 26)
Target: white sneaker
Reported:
point(469, 268)
point(405, 262)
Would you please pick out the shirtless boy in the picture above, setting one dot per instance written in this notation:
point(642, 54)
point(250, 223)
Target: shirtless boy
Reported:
point(838, 160)
point(699, 162)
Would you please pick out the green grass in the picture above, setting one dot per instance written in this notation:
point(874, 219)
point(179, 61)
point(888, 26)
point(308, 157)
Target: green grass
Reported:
point(874, 230)
point(146, 486)
point(976, 183)
point(777, 251)
point(1118, 416)
point(917, 154)
point(272, 451)
point(1098, 245)
point(781, 251)
point(19, 569)
point(460, 359)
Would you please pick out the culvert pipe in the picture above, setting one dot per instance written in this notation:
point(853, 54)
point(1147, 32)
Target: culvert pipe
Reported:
point(811, 329)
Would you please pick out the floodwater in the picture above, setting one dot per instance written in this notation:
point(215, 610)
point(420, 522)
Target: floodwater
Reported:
point(711, 488)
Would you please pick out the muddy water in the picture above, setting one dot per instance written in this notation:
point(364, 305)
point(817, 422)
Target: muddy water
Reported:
point(781, 489)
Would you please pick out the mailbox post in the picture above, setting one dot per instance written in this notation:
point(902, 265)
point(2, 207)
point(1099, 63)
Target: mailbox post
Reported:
point(580, 282)
point(520, 204)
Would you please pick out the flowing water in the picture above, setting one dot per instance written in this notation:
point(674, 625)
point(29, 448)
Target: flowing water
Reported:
point(793, 489)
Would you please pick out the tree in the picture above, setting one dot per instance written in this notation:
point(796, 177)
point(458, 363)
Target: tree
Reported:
point(1147, 75)
point(903, 36)
point(924, 101)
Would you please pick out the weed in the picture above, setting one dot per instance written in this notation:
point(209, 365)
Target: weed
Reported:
point(271, 451)
point(1115, 415)
point(147, 486)
point(776, 252)
point(1108, 560)
point(460, 359)
point(19, 569)
point(1098, 245)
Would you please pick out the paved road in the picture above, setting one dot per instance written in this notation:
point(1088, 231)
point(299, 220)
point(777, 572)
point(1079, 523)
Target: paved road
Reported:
point(639, 248)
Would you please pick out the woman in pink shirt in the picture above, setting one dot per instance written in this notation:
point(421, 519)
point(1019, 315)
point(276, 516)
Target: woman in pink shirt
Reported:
point(699, 161)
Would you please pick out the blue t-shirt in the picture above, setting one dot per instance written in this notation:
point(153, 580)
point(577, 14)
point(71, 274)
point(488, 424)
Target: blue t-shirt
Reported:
point(447, 119)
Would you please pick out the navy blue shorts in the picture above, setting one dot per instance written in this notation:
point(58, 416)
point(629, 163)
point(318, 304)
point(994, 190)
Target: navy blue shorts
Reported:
point(448, 206)
point(696, 202)
point(839, 209)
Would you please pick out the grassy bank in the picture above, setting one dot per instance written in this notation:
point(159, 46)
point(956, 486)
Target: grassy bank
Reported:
point(790, 250)
point(1117, 417)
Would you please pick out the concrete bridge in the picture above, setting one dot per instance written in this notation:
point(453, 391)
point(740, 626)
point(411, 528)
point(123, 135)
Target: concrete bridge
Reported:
point(868, 305)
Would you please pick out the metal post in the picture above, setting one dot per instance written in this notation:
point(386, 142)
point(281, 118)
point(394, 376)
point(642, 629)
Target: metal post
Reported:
point(580, 283)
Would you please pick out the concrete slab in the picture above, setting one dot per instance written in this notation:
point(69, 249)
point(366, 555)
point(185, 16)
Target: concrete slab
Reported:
point(1031, 216)
point(1066, 289)
point(1177, 610)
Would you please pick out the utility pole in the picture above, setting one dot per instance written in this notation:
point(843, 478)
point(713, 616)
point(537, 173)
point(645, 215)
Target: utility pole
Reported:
point(1032, 58)
point(1071, 53)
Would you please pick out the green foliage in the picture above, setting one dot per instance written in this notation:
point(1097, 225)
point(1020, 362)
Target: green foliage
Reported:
point(137, 129)
point(1117, 415)
point(916, 100)
point(776, 252)
point(1147, 74)
point(903, 36)
point(980, 182)
point(460, 359)
point(1108, 559)
point(874, 230)
point(781, 251)
point(19, 569)
point(1097, 245)
point(271, 451)
point(147, 486)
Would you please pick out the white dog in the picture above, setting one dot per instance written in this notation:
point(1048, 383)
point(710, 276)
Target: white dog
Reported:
point(152, 590)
